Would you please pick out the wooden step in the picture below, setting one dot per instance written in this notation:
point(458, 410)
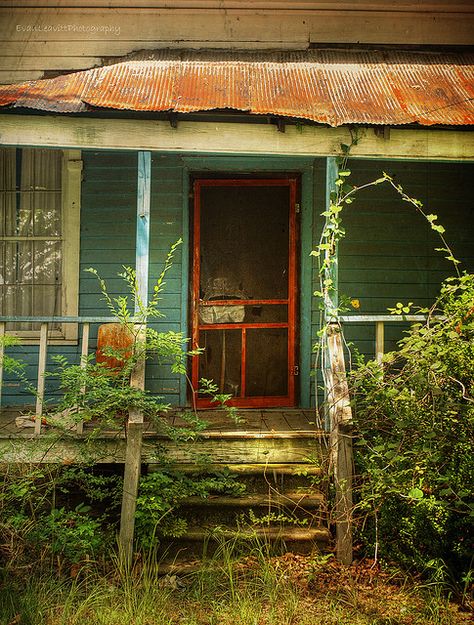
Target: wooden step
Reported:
point(180, 567)
point(303, 500)
point(286, 534)
point(297, 469)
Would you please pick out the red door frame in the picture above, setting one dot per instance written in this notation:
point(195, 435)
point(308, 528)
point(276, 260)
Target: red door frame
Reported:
point(242, 401)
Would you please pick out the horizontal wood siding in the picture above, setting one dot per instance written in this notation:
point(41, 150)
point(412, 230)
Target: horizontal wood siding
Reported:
point(388, 255)
point(108, 240)
point(166, 229)
point(108, 229)
point(74, 35)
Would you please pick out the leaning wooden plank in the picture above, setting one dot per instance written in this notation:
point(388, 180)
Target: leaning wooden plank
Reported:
point(341, 444)
point(43, 347)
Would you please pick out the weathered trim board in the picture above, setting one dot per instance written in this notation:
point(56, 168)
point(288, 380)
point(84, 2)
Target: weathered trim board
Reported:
point(230, 138)
point(54, 449)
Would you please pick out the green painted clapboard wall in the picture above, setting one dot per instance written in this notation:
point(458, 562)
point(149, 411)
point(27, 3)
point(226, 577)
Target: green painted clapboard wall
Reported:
point(108, 240)
point(108, 236)
point(387, 255)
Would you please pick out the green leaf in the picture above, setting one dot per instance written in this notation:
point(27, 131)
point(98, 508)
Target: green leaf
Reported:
point(415, 493)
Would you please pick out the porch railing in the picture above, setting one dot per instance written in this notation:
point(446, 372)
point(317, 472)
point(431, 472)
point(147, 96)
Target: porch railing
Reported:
point(42, 350)
point(45, 322)
point(380, 321)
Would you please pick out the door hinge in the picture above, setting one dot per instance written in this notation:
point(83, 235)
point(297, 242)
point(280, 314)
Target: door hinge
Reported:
point(297, 207)
point(295, 370)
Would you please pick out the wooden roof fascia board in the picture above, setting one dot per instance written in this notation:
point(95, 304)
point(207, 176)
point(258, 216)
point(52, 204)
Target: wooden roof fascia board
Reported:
point(275, 5)
point(229, 138)
point(261, 26)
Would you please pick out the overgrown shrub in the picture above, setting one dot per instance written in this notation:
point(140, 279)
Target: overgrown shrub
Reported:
point(414, 419)
point(53, 514)
point(160, 495)
point(72, 514)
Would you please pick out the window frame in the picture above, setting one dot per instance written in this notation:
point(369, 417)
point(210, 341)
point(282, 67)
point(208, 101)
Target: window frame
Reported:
point(71, 179)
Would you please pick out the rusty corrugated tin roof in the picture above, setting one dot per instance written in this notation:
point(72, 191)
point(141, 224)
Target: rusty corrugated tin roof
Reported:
point(333, 87)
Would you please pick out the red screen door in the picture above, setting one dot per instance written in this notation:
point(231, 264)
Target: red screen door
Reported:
point(244, 290)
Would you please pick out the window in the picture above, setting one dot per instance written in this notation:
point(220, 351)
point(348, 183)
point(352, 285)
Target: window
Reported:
point(39, 236)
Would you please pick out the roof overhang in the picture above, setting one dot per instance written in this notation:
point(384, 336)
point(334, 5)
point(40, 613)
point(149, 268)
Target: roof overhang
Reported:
point(331, 87)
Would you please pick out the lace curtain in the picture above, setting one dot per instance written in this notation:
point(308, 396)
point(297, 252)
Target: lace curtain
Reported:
point(30, 233)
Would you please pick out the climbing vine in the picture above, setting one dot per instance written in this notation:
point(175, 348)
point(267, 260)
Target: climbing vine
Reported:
point(333, 232)
point(413, 412)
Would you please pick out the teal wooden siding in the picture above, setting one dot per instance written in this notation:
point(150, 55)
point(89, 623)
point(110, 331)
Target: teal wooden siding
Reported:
point(387, 256)
point(108, 241)
point(108, 207)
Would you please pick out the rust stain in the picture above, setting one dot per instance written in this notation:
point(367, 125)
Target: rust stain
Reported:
point(332, 87)
point(116, 337)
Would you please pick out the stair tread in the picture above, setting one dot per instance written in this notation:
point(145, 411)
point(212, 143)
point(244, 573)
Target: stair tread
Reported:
point(297, 468)
point(308, 499)
point(248, 434)
point(291, 534)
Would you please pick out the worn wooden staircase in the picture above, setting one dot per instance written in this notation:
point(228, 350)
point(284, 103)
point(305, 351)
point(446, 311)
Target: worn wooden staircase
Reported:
point(281, 459)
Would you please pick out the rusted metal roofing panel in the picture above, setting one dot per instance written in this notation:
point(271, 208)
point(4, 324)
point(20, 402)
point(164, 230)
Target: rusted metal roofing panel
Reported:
point(332, 87)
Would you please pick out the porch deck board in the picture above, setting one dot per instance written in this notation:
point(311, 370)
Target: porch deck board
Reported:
point(263, 423)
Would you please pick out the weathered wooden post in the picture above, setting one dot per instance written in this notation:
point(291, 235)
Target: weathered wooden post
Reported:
point(338, 408)
point(341, 443)
point(135, 417)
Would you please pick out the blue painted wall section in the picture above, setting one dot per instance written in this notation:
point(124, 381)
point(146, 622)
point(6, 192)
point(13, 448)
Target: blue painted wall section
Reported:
point(388, 254)
point(142, 253)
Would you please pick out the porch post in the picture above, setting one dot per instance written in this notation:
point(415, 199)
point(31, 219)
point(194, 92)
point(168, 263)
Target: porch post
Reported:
point(337, 400)
point(330, 295)
point(332, 174)
point(135, 417)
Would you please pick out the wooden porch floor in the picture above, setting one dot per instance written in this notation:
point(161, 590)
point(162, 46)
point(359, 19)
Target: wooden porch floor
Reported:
point(286, 423)
point(261, 436)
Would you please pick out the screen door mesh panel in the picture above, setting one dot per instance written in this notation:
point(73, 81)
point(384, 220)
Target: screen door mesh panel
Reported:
point(244, 241)
point(221, 360)
point(267, 362)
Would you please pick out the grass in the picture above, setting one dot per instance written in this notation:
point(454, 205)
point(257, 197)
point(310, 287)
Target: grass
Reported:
point(255, 590)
